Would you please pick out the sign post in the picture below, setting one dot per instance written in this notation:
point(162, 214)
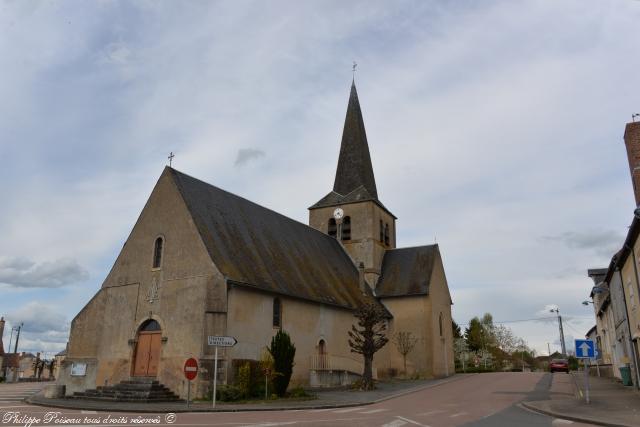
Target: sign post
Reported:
point(218, 342)
point(585, 350)
point(190, 373)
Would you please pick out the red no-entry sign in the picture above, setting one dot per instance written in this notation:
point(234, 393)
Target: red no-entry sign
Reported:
point(191, 369)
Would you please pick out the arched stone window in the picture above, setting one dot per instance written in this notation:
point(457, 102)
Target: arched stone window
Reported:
point(381, 232)
point(346, 228)
point(386, 234)
point(333, 228)
point(277, 313)
point(440, 323)
point(157, 252)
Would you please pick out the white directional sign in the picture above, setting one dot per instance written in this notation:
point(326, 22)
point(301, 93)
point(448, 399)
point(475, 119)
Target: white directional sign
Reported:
point(222, 341)
point(585, 349)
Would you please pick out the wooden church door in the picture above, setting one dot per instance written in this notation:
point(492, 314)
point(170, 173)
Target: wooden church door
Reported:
point(147, 356)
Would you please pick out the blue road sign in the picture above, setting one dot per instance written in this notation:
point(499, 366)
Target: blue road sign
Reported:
point(585, 349)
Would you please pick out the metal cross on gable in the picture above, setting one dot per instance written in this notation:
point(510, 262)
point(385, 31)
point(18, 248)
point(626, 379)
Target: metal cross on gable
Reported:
point(353, 69)
point(171, 156)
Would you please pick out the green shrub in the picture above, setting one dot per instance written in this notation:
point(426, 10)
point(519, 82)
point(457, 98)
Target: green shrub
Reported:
point(244, 379)
point(283, 352)
point(298, 392)
point(229, 393)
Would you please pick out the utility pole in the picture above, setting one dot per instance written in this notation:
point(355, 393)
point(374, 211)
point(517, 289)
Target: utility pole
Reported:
point(18, 337)
point(548, 349)
point(562, 345)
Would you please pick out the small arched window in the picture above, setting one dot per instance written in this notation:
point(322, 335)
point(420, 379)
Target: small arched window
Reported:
point(386, 234)
point(381, 232)
point(277, 313)
point(346, 228)
point(157, 252)
point(333, 228)
point(440, 323)
point(322, 347)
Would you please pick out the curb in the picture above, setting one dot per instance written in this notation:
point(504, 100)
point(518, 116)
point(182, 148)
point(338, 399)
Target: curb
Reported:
point(39, 402)
point(528, 405)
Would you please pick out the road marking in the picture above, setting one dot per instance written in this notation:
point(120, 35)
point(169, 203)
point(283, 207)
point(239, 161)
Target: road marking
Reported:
point(373, 411)
point(437, 411)
point(457, 414)
point(411, 421)
point(88, 412)
point(344, 411)
point(557, 421)
point(394, 423)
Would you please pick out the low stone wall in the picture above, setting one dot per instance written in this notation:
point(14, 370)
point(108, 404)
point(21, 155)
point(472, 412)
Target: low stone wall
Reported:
point(606, 371)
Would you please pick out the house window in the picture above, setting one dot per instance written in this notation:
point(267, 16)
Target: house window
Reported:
point(277, 313)
point(157, 252)
point(381, 232)
point(333, 228)
point(386, 234)
point(346, 228)
point(440, 323)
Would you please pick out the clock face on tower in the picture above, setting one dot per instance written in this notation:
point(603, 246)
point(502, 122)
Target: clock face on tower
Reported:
point(338, 213)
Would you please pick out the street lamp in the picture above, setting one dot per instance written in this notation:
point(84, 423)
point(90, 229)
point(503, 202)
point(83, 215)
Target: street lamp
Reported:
point(557, 311)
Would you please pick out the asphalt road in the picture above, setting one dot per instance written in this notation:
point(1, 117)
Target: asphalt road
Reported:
point(479, 400)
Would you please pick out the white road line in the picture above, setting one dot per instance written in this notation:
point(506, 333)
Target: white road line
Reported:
point(344, 411)
point(558, 421)
point(373, 411)
point(437, 411)
point(394, 423)
point(411, 421)
point(457, 414)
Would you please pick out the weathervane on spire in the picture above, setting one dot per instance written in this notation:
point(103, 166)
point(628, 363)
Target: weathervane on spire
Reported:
point(171, 156)
point(353, 69)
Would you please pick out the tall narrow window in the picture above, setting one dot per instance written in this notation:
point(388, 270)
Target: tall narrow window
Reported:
point(386, 234)
point(346, 228)
point(381, 232)
point(277, 313)
point(333, 228)
point(157, 253)
point(440, 323)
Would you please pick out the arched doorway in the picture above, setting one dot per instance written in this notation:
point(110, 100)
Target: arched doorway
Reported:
point(147, 355)
point(323, 361)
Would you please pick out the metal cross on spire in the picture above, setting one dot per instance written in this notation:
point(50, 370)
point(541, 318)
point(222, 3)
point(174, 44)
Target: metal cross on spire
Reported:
point(353, 69)
point(171, 156)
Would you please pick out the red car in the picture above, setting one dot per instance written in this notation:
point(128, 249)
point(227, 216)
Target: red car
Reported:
point(561, 365)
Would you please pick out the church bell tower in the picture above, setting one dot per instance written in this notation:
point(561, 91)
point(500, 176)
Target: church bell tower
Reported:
point(352, 213)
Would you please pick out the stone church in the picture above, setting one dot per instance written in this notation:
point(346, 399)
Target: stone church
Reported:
point(202, 262)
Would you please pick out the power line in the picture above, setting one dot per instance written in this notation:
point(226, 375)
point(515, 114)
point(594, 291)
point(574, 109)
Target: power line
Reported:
point(516, 321)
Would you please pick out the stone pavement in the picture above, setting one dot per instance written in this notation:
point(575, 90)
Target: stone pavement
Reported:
point(325, 399)
point(612, 404)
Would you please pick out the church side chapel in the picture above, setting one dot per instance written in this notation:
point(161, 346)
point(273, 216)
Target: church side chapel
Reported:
point(201, 261)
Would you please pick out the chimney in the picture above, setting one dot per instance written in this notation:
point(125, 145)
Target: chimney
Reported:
point(632, 142)
point(1, 335)
point(361, 276)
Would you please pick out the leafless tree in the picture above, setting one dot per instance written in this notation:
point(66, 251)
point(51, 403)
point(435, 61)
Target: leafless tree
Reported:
point(368, 338)
point(405, 343)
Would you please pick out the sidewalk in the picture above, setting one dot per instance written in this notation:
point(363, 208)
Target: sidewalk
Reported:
point(612, 404)
point(325, 399)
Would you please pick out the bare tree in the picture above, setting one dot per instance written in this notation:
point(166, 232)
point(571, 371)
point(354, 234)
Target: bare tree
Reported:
point(368, 338)
point(405, 342)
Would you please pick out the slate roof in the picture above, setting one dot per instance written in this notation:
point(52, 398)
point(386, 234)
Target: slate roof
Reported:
point(354, 176)
point(407, 271)
point(257, 247)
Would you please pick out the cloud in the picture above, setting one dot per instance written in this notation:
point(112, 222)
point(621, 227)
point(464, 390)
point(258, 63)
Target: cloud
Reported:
point(20, 272)
point(40, 318)
point(245, 155)
point(603, 242)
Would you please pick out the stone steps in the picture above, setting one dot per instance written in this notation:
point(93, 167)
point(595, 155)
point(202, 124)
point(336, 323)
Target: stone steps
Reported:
point(133, 390)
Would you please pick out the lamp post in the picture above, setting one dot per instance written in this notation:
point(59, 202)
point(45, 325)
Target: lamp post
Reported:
point(557, 311)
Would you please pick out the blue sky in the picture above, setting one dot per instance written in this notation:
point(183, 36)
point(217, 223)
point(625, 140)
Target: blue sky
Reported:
point(495, 128)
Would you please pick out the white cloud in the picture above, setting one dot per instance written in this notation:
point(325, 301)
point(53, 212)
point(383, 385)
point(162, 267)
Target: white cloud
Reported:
point(22, 272)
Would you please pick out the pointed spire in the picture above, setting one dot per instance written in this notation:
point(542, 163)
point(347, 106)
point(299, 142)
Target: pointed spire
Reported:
point(354, 165)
